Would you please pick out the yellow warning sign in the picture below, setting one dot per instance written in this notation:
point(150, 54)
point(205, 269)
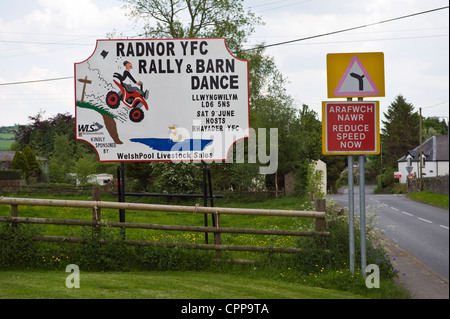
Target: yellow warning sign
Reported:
point(355, 74)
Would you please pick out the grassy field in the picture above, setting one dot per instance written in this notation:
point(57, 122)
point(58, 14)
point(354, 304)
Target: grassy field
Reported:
point(267, 279)
point(156, 285)
point(5, 144)
point(6, 140)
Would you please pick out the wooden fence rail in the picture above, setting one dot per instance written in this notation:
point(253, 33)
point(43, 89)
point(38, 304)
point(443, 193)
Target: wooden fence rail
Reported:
point(97, 205)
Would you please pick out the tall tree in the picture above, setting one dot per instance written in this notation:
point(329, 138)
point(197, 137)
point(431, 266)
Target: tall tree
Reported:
point(433, 126)
point(40, 134)
point(400, 131)
point(30, 157)
point(306, 145)
point(194, 19)
point(61, 161)
point(20, 163)
point(335, 166)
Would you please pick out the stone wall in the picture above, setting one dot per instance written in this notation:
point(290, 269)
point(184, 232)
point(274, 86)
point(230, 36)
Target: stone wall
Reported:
point(433, 184)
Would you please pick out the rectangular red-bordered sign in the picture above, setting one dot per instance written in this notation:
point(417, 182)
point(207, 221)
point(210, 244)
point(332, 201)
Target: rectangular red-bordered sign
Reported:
point(350, 128)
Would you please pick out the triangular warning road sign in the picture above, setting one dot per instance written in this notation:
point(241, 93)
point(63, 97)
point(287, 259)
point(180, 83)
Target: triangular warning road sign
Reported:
point(356, 81)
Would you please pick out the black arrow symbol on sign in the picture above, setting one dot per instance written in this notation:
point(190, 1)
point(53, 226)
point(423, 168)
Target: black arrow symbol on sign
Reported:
point(360, 80)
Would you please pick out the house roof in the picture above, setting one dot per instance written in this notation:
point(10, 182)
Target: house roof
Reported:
point(7, 156)
point(434, 149)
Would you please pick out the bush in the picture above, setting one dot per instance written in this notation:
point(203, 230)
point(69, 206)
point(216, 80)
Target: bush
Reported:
point(172, 258)
point(17, 247)
point(20, 163)
point(177, 178)
point(9, 174)
point(385, 181)
point(105, 250)
point(338, 246)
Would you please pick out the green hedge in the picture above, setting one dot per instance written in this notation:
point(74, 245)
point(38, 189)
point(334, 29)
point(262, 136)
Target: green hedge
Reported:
point(9, 174)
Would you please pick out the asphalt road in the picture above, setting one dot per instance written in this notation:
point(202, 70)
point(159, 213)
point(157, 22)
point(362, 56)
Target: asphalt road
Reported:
point(419, 229)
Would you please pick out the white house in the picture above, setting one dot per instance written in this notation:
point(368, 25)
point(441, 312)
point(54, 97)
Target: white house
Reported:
point(434, 155)
point(96, 179)
point(100, 179)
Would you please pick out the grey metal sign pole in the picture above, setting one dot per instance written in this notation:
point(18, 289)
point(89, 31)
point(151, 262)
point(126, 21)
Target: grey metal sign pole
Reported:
point(354, 82)
point(362, 213)
point(351, 214)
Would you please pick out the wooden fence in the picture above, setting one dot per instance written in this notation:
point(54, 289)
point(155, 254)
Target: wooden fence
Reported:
point(96, 222)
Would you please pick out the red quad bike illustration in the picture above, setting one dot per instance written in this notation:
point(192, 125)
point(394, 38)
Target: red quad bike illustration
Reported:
point(134, 100)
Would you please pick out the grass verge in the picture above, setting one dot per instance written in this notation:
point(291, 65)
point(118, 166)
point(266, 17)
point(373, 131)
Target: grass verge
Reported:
point(156, 285)
point(428, 197)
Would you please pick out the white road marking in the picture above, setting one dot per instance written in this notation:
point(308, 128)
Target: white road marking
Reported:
point(407, 213)
point(425, 220)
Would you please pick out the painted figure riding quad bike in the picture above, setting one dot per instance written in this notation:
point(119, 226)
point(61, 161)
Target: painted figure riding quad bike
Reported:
point(130, 96)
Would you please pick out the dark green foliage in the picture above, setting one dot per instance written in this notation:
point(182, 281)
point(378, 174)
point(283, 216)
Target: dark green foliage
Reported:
point(98, 251)
point(337, 245)
point(19, 163)
point(400, 132)
point(335, 166)
point(33, 166)
point(386, 179)
point(26, 163)
point(9, 174)
point(39, 134)
point(17, 247)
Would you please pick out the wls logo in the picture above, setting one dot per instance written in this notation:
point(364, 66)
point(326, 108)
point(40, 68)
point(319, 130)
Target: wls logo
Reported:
point(86, 128)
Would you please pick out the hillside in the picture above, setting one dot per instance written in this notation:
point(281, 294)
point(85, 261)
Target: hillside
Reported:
point(6, 137)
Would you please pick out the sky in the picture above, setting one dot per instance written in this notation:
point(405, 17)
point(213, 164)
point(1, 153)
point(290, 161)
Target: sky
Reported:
point(42, 39)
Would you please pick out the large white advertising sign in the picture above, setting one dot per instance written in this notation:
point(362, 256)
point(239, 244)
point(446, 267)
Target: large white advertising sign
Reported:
point(161, 100)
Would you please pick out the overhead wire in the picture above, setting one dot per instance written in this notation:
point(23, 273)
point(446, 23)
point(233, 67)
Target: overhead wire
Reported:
point(36, 81)
point(343, 30)
point(434, 105)
point(279, 43)
point(362, 33)
point(368, 40)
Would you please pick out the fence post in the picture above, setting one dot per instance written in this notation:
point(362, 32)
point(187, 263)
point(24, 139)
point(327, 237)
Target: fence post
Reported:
point(320, 224)
point(14, 210)
point(217, 235)
point(96, 211)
